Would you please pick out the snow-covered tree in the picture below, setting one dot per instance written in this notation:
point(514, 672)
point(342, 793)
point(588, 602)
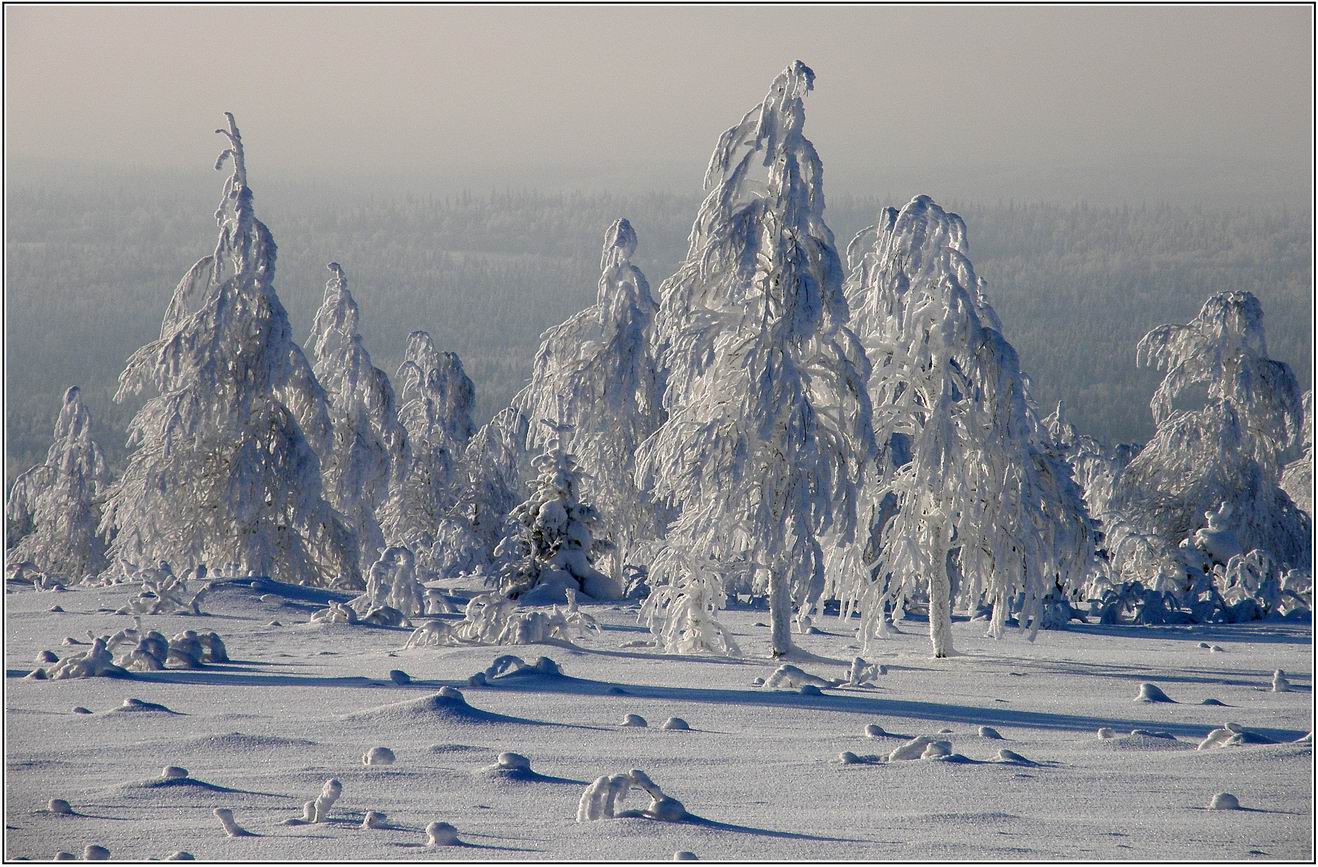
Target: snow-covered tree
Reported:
point(968, 505)
point(438, 397)
point(1297, 476)
point(768, 429)
point(225, 469)
point(551, 548)
point(1228, 418)
point(597, 373)
point(494, 468)
point(369, 450)
point(53, 509)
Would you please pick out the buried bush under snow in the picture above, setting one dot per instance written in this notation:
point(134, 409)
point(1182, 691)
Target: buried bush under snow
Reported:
point(605, 795)
point(493, 619)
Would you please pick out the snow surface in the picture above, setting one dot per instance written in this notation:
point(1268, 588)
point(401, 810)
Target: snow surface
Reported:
point(757, 772)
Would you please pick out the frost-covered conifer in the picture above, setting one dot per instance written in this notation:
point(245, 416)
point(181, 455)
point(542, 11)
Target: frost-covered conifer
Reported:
point(970, 504)
point(1297, 477)
point(597, 373)
point(370, 447)
point(552, 549)
point(437, 398)
point(225, 469)
point(768, 426)
point(53, 509)
point(1228, 419)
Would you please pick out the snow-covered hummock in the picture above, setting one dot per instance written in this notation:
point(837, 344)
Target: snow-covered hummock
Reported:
point(969, 503)
point(1297, 476)
point(597, 372)
point(225, 468)
point(438, 398)
point(53, 510)
point(767, 434)
point(552, 549)
point(369, 449)
point(1229, 418)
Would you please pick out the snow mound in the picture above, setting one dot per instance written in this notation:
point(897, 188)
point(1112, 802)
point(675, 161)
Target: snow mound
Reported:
point(1013, 757)
point(634, 720)
point(400, 677)
point(441, 834)
point(238, 742)
point(1142, 740)
point(448, 705)
point(685, 856)
point(1232, 735)
point(792, 677)
point(1151, 693)
point(675, 724)
point(374, 820)
point(916, 747)
point(1212, 702)
point(1224, 801)
point(378, 756)
point(510, 668)
point(989, 733)
point(59, 807)
point(1280, 683)
point(231, 827)
point(875, 731)
point(137, 705)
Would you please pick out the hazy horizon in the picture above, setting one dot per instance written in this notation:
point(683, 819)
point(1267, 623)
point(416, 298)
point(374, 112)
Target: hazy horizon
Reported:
point(1111, 104)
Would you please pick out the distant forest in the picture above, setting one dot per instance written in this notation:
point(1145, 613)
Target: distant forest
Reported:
point(93, 259)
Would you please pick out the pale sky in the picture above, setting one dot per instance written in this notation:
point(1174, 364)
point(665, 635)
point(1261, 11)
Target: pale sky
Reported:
point(935, 91)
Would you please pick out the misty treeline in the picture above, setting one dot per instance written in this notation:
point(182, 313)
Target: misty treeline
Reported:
point(94, 255)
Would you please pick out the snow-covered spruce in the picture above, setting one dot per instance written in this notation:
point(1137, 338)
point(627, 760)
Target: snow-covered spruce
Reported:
point(369, 450)
point(493, 619)
point(495, 468)
point(765, 381)
point(552, 547)
point(437, 401)
point(226, 462)
point(1229, 418)
point(53, 509)
point(604, 797)
point(968, 503)
point(597, 372)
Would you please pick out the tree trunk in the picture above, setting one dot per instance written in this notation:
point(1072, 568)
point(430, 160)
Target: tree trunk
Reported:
point(780, 612)
point(940, 612)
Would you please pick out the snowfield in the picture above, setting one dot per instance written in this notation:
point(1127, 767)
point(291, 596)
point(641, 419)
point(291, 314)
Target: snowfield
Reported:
point(758, 771)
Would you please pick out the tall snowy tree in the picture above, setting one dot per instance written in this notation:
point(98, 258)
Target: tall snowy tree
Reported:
point(768, 428)
point(1229, 418)
point(53, 509)
point(495, 467)
point(225, 469)
point(369, 449)
point(597, 373)
point(977, 507)
point(438, 397)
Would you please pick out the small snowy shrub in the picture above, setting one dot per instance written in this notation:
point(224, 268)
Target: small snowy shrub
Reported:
point(681, 610)
point(392, 583)
point(163, 592)
point(603, 798)
point(494, 619)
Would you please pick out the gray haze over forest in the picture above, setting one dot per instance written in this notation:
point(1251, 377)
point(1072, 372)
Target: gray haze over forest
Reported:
point(1115, 166)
